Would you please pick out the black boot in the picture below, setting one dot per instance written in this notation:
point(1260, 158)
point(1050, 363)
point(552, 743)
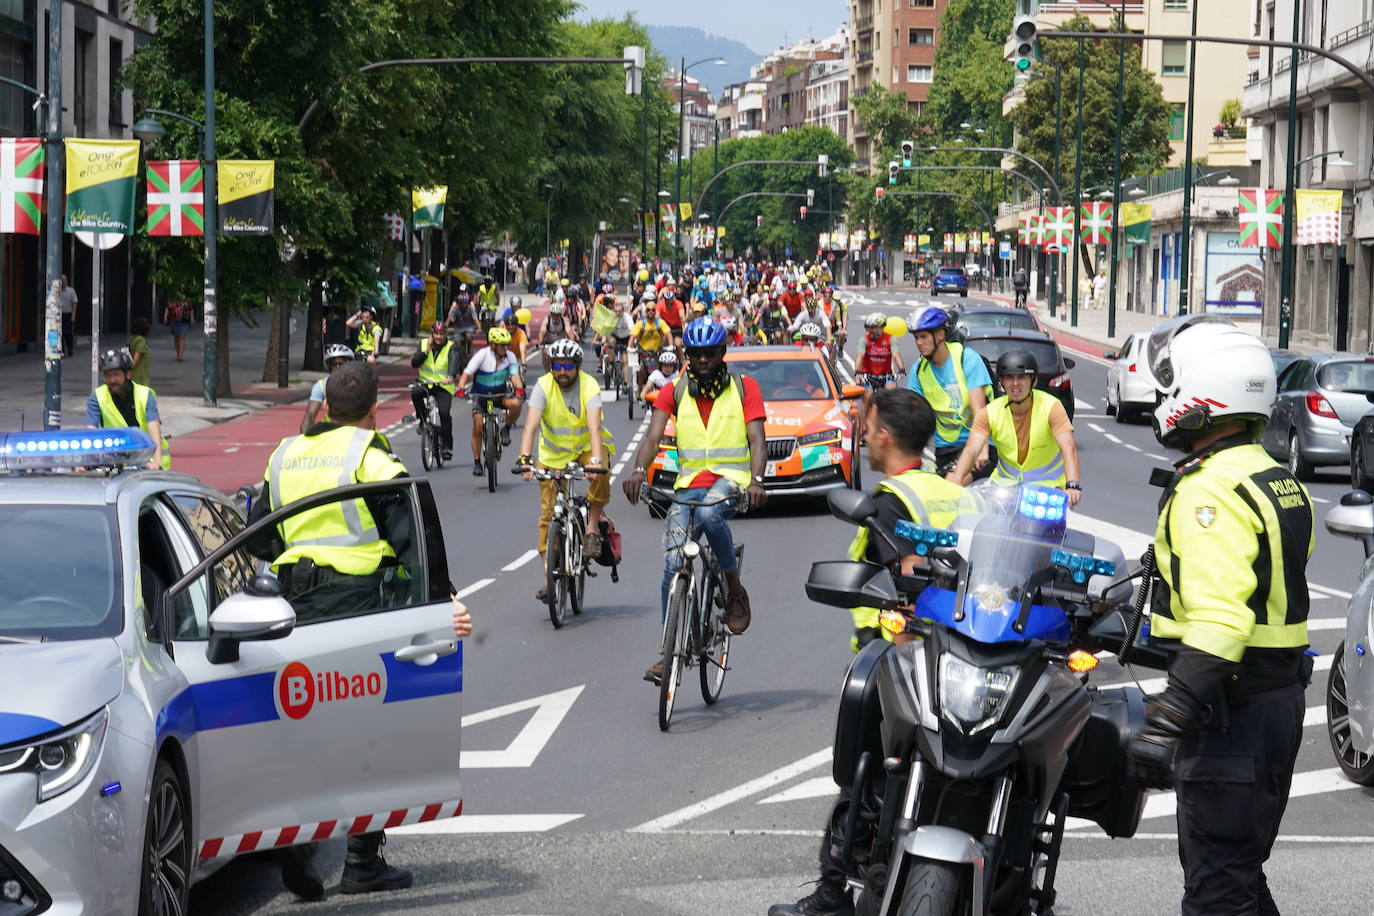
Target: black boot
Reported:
point(826, 900)
point(365, 870)
point(298, 871)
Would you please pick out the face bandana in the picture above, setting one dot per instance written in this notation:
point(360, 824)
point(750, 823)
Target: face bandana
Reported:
point(709, 386)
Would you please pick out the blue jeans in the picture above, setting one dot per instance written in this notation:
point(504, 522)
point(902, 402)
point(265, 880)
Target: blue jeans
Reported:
point(713, 520)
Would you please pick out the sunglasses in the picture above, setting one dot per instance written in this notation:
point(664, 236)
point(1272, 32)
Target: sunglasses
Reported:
point(563, 367)
point(706, 352)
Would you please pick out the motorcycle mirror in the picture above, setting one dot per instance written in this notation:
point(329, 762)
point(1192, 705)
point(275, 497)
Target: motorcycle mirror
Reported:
point(853, 506)
point(851, 584)
point(1109, 631)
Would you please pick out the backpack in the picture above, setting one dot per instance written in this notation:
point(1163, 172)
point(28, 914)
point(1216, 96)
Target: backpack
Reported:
point(610, 546)
point(180, 311)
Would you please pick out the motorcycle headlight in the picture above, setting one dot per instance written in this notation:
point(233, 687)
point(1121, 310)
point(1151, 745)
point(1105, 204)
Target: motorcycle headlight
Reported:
point(971, 697)
point(62, 761)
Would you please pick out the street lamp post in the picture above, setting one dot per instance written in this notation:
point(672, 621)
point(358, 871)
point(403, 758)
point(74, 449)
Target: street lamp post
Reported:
point(548, 209)
point(1077, 202)
point(1116, 178)
point(1289, 197)
point(1185, 265)
point(681, 130)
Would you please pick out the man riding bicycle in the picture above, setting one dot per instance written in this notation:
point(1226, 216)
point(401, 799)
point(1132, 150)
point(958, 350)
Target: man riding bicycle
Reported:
point(1021, 284)
point(772, 320)
point(954, 381)
point(462, 318)
point(437, 360)
point(721, 447)
point(651, 333)
point(488, 301)
point(565, 410)
point(879, 356)
point(492, 371)
point(671, 310)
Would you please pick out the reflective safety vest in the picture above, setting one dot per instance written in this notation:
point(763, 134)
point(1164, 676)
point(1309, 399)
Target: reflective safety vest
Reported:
point(488, 295)
point(370, 338)
point(929, 500)
point(434, 369)
point(111, 418)
point(949, 422)
point(722, 447)
point(1044, 464)
point(341, 535)
point(562, 436)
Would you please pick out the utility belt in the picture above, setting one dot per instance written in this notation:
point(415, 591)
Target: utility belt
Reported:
point(1261, 671)
point(304, 577)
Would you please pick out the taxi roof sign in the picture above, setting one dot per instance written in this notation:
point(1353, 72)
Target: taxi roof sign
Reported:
point(91, 448)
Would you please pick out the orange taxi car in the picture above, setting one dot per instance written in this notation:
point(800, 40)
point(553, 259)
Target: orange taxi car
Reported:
point(811, 423)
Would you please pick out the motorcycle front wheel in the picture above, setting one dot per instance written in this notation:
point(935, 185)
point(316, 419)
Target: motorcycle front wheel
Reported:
point(932, 889)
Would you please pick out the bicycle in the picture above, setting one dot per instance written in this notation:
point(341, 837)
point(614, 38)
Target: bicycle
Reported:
point(490, 406)
point(1021, 298)
point(427, 416)
point(694, 630)
point(565, 568)
point(633, 394)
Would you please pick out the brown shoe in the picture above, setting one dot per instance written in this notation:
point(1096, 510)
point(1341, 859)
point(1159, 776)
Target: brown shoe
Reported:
point(542, 594)
point(655, 673)
point(737, 614)
point(591, 545)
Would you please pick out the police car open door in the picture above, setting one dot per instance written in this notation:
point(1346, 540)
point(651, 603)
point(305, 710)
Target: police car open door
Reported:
point(347, 724)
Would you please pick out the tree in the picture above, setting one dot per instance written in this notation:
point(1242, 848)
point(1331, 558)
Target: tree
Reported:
point(971, 76)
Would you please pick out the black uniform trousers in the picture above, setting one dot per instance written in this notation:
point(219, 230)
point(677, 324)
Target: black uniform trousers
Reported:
point(1232, 788)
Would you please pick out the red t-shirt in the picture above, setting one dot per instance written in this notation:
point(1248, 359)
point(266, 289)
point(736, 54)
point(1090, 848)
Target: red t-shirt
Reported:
point(671, 313)
point(877, 356)
point(793, 302)
point(753, 410)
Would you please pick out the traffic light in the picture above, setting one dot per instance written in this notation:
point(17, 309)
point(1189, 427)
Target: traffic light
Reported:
point(892, 172)
point(878, 193)
point(907, 147)
point(810, 196)
point(1022, 41)
point(760, 221)
point(822, 165)
point(803, 212)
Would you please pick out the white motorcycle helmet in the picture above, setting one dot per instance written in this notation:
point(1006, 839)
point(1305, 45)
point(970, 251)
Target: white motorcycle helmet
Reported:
point(1206, 371)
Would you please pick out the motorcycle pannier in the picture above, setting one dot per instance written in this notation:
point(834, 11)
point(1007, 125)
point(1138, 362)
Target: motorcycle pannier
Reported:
point(1099, 787)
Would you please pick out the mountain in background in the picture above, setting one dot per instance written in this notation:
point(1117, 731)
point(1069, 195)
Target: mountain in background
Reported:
point(683, 42)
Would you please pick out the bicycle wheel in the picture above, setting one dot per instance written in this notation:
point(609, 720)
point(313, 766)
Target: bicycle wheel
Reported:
point(715, 640)
point(429, 452)
point(555, 583)
point(674, 645)
point(490, 449)
point(575, 565)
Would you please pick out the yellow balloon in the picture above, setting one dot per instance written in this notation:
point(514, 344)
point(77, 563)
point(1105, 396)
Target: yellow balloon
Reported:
point(643, 276)
point(896, 326)
point(522, 316)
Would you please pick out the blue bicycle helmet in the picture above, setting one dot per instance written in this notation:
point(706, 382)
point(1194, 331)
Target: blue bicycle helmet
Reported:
point(704, 332)
point(931, 319)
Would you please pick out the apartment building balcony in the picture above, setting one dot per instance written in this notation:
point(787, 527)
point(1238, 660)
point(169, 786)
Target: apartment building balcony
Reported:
point(864, 59)
point(862, 25)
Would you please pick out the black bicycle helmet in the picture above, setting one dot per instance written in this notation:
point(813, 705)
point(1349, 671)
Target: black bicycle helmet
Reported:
point(1017, 362)
point(116, 359)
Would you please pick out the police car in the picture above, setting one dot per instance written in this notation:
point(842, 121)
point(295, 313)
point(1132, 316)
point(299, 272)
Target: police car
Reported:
point(160, 709)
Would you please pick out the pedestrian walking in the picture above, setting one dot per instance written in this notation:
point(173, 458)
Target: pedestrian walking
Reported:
point(179, 315)
point(1100, 289)
point(67, 302)
point(138, 349)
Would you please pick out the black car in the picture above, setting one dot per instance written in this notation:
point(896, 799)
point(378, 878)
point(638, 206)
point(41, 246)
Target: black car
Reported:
point(966, 318)
point(1053, 377)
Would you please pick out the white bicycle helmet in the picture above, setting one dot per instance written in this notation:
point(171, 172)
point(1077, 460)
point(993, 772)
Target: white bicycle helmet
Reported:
point(667, 358)
point(728, 322)
point(811, 329)
point(557, 308)
point(564, 349)
point(337, 351)
point(1206, 371)
point(648, 295)
point(875, 320)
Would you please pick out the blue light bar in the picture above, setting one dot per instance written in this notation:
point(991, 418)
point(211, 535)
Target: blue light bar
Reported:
point(90, 448)
point(1080, 565)
point(1043, 504)
point(925, 538)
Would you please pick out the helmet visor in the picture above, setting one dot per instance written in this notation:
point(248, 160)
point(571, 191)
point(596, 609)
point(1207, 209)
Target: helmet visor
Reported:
point(1159, 346)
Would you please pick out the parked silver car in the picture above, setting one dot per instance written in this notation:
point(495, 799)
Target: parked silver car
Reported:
point(1320, 398)
point(161, 707)
point(1350, 685)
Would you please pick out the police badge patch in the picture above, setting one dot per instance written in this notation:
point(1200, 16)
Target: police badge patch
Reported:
point(1206, 515)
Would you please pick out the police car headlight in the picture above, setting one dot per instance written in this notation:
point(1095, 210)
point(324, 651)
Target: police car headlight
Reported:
point(62, 761)
point(972, 697)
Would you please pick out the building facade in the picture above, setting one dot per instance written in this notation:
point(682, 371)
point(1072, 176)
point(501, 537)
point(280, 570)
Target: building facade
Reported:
point(827, 91)
point(697, 110)
point(892, 44)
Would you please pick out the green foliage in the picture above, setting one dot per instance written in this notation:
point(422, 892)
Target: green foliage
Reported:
point(970, 75)
point(1145, 114)
point(887, 116)
point(1230, 112)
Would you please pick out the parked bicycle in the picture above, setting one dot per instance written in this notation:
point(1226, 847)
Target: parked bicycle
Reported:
point(565, 567)
point(694, 630)
point(427, 415)
point(493, 416)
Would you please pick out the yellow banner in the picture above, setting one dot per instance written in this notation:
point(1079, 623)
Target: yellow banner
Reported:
point(923, 240)
point(240, 178)
point(92, 162)
point(686, 210)
point(1314, 203)
point(1135, 213)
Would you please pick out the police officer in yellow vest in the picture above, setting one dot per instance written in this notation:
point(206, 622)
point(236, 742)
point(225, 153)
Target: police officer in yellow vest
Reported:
point(123, 402)
point(369, 334)
point(1029, 429)
point(437, 361)
point(565, 412)
point(1232, 541)
point(341, 559)
point(954, 380)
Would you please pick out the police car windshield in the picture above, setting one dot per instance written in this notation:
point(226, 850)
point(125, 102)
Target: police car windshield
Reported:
point(60, 574)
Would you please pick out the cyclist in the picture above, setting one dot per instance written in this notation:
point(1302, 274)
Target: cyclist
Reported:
point(718, 420)
point(519, 336)
point(732, 329)
point(673, 314)
point(954, 380)
point(462, 318)
point(665, 373)
point(772, 321)
point(334, 357)
point(565, 410)
point(650, 334)
point(488, 301)
point(836, 316)
point(809, 338)
point(437, 361)
point(1030, 430)
point(1021, 284)
point(810, 314)
point(791, 299)
point(557, 326)
point(369, 334)
point(616, 345)
point(492, 372)
point(875, 365)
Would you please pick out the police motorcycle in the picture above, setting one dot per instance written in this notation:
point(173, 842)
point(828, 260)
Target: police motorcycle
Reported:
point(962, 752)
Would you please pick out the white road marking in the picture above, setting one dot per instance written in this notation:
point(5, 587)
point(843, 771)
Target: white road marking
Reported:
point(520, 560)
point(1095, 428)
point(1156, 457)
point(487, 823)
point(1096, 416)
point(475, 587)
point(549, 711)
point(819, 787)
point(1080, 404)
point(1326, 623)
point(232, 448)
point(1329, 591)
point(1134, 448)
point(1112, 438)
point(730, 796)
point(1318, 499)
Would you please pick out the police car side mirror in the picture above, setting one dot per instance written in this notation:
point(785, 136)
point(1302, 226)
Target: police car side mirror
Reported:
point(257, 613)
point(1354, 518)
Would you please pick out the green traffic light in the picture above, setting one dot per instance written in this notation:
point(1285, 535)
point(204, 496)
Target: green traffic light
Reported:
point(892, 179)
point(1023, 64)
point(906, 163)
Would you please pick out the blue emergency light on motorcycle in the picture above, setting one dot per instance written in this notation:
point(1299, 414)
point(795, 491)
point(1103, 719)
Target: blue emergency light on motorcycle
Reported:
point(926, 538)
point(90, 448)
point(1080, 565)
point(1043, 504)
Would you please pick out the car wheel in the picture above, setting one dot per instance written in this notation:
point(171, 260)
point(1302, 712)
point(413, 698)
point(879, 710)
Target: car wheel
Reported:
point(165, 883)
point(1111, 407)
point(1298, 466)
point(1358, 767)
point(1360, 478)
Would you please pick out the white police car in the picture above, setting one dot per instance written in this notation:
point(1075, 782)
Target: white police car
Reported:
point(161, 711)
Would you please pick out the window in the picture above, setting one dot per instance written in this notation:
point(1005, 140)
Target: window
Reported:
point(1176, 4)
point(1174, 59)
point(116, 94)
point(918, 73)
point(920, 36)
point(1178, 122)
point(923, 3)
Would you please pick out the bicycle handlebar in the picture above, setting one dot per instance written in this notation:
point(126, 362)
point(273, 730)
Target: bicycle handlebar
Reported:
point(573, 471)
point(735, 492)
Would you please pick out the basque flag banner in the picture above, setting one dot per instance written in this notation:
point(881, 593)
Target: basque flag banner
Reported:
point(176, 198)
point(1058, 228)
point(1023, 228)
point(1097, 222)
point(1261, 218)
point(21, 184)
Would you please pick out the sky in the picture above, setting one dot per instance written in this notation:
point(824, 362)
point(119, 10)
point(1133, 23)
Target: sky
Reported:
point(761, 24)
